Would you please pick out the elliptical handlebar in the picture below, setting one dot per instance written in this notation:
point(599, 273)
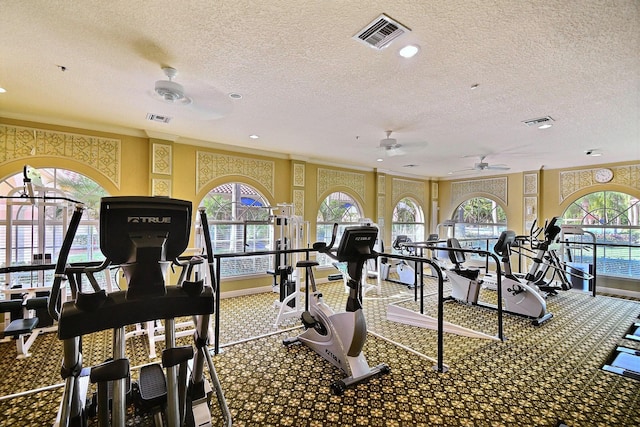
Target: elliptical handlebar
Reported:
point(325, 248)
point(551, 231)
point(61, 264)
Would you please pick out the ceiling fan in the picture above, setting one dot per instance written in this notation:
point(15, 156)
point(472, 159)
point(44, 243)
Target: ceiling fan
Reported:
point(483, 166)
point(390, 147)
point(192, 100)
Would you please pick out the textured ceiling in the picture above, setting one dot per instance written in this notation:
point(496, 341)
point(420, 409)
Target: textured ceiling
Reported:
point(310, 91)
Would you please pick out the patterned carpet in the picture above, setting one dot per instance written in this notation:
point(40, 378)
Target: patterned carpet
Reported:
point(537, 377)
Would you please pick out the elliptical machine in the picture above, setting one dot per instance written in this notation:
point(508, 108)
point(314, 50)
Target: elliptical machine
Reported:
point(143, 236)
point(520, 298)
point(340, 337)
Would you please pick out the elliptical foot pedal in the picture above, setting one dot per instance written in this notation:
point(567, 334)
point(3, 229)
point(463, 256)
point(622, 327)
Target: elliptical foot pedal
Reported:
point(152, 386)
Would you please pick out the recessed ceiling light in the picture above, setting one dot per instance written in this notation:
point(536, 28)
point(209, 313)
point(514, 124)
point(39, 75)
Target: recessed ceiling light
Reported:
point(254, 136)
point(545, 126)
point(379, 160)
point(2, 90)
point(234, 95)
point(474, 86)
point(409, 51)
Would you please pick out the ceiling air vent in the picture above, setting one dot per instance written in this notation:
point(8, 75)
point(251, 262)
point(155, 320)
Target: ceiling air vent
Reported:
point(158, 118)
point(380, 32)
point(538, 122)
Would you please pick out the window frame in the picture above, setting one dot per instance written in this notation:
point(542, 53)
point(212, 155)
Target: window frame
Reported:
point(324, 224)
point(607, 234)
point(46, 237)
point(419, 223)
point(231, 225)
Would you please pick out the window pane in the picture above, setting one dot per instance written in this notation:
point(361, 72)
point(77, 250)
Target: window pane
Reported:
point(337, 208)
point(239, 221)
point(408, 220)
point(613, 218)
point(477, 223)
point(36, 230)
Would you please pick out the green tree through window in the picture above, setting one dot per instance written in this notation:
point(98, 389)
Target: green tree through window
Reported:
point(613, 218)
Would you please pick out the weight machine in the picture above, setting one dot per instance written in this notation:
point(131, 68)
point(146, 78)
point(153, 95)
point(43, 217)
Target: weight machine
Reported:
point(290, 232)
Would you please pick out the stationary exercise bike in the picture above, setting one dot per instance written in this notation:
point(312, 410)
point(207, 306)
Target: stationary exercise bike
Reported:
point(520, 298)
point(340, 337)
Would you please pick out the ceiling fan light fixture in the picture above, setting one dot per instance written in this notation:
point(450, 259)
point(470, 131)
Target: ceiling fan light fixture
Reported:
point(171, 92)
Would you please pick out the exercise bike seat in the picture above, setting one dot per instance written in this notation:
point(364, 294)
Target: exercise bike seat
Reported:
point(458, 258)
point(306, 263)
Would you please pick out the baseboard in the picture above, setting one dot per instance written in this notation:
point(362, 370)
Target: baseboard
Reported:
point(259, 290)
point(620, 292)
point(247, 291)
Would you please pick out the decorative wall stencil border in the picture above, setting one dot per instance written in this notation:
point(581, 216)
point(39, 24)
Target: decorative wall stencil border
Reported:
point(162, 159)
point(573, 181)
point(210, 166)
point(298, 202)
point(161, 187)
point(298, 174)
point(495, 186)
point(529, 212)
point(530, 183)
point(434, 191)
point(329, 178)
point(401, 187)
point(380, 209)
point(381, 184)
point(102, 154)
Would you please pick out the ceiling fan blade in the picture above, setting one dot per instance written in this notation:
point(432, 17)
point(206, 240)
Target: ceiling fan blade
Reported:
point(498, 167)
point(395, 151)
point(467, 170)
point(208, 103)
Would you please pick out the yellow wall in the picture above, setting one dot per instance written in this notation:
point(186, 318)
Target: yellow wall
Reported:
point(376, 192)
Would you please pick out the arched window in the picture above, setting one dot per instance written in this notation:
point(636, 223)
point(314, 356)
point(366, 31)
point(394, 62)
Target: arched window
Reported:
point(337, 208)
point(477, 223)
point(32, 229)
point(239, 221)
point(613, 218)
point(408, 220)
